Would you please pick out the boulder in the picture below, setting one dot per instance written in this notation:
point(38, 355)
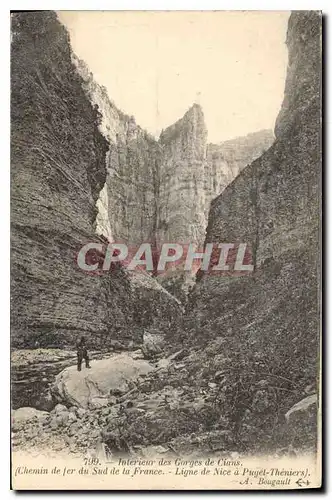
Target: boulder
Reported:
point(105, 377)
point(26, 414)
point(301, 424)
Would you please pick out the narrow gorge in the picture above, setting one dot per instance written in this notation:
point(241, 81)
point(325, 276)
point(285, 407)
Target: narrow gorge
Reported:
point(220, 360)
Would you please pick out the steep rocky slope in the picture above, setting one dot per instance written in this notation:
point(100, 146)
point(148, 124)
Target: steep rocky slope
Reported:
point(58, 170)
point(268, 322)
point(160, 190)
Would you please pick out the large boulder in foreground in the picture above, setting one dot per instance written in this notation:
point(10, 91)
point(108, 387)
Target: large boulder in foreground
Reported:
point(105, 378)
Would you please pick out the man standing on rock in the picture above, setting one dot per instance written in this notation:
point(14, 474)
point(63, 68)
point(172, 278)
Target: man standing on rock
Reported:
point(82, 353)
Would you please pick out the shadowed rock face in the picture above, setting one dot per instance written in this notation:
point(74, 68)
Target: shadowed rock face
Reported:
point(270, 318)
point(58, 169)
point(127, 205)
point(227, 159)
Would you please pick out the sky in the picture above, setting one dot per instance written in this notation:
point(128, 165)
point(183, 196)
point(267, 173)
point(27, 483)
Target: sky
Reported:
point(155, 65)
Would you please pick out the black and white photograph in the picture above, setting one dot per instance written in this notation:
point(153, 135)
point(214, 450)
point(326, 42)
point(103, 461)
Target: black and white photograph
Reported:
point(165, 248)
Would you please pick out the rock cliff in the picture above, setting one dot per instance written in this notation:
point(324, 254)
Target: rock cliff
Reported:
point(242, 367)
point(245, 377)
point(58, 170)
point(160, 190)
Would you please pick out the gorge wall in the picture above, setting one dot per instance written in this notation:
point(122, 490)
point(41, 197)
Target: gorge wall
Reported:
point(127, 205)
point(58, 169)
point(247, 345)
point(80, 166)
point(193, 172)
point(268, 322)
